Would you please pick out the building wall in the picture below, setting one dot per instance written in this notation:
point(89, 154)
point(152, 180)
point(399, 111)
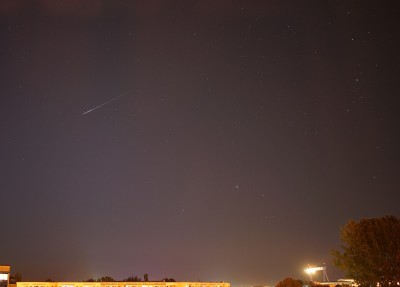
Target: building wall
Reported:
point(4, 275)
point(122, 284)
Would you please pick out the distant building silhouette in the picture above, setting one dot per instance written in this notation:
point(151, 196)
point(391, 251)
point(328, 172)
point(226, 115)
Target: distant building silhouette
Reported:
point(123, 284)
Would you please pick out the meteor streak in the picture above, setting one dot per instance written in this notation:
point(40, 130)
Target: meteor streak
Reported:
point(109, 101)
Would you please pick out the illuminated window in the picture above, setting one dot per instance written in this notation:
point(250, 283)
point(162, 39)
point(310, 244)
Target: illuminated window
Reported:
point(3, 276)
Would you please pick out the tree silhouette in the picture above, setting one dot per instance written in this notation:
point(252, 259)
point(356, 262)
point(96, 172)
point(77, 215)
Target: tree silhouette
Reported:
point(289, 282)
point(106, 279)
point(18, 277)
point(133, 279)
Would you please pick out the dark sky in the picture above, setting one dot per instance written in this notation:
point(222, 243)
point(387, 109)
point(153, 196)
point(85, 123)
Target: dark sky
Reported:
point(200, 140)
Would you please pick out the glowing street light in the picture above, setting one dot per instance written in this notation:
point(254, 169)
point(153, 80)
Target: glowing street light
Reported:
point(311, 270)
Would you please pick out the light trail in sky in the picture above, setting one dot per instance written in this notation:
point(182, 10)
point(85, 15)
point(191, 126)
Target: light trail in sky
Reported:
point(105, 103)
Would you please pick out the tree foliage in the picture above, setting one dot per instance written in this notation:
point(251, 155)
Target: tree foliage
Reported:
point(15, 278)
point(18, 277)
point(106, 279)
point(370, 251)
point(289, 282)
point(133, 279)
point(129, 279)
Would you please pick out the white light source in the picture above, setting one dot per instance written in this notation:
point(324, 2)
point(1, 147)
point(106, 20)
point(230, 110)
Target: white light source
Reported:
point(3, 276)
point(312, 270)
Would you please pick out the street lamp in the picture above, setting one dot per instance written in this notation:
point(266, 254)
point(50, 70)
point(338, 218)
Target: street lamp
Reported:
point(311, 270)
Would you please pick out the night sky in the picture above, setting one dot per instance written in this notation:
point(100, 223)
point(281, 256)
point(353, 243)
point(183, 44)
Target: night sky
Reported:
point(199, 140)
